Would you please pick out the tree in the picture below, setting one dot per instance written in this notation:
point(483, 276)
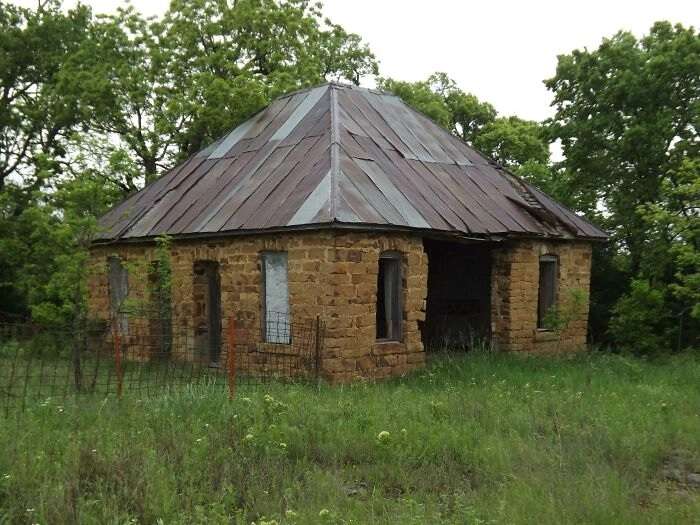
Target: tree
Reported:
point(36, 121)
point(627, 116)
point(674, 225)
point(93, 106)
point(44, 238)
point(35, 115)
point(512, 141)
point(166, 88)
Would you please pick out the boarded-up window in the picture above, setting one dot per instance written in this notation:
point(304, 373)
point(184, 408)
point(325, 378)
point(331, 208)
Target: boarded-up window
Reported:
point(276, 298)
point(389, 297)
point(547, 296)
point(118, 291)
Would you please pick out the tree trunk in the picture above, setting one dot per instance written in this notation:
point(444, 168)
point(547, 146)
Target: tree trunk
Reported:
point(151, 169)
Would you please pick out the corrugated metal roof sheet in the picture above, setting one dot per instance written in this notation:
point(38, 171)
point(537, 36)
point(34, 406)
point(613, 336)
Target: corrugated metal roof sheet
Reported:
point(339, 154)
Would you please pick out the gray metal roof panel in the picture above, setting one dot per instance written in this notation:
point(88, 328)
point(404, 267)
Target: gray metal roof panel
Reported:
point(340, 154)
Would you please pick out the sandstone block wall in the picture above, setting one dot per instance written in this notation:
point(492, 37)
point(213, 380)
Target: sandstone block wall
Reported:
point(137, 259)
point(514, 293)
point(333, 275)
point(330, 274)
point(351, 348)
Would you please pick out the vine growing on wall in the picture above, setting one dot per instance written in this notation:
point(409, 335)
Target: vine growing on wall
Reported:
point(560, 317)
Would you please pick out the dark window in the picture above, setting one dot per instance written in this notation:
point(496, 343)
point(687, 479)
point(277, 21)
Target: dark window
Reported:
point(118, 291)
point(160, 308)
point(389, 297)
point(276, 298)
point(206, 287)
point(547, 296)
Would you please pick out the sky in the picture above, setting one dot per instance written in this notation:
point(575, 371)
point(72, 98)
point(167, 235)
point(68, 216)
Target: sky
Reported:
point(499, 50)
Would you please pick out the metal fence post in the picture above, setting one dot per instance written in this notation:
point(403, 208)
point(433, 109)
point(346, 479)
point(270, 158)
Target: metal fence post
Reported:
point(78, 334)
point(231, 357)
point(317, 347)
point(117, 356)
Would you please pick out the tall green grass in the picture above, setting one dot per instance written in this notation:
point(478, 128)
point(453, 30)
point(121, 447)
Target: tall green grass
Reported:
point(486, 438)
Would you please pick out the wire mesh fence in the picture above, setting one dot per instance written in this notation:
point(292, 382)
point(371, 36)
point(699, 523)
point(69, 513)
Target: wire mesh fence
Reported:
point(147, 355)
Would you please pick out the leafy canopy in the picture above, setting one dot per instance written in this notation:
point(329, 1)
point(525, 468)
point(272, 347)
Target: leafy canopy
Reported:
point(93, 106)
point(165, 88)
point(627, 116)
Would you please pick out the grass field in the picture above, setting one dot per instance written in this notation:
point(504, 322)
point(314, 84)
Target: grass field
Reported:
point(475, 439)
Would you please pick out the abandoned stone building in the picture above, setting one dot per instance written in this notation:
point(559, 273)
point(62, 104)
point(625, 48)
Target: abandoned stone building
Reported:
point(344, 203)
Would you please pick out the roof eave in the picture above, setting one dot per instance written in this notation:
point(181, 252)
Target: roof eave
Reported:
point(358, 227)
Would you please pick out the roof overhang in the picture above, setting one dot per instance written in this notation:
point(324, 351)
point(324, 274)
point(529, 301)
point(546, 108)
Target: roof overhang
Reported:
point(456, 236)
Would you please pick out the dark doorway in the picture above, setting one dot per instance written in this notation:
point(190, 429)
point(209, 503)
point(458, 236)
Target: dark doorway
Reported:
point(458, 307)
point(160, 310)
point(207, 299)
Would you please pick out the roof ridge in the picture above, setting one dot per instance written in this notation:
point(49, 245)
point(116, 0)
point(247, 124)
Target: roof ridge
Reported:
point(339, 84)
point(335, 151)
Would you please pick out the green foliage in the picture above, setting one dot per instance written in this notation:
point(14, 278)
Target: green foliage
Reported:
point(168, 87)
point(674, 224)
point(44, 246)
point(481, 439)
point(639, 320)
point(36, 115)
point(513, 141)
point(570, 309)
point(94, 106)
point(163, 269)
point(627, 117)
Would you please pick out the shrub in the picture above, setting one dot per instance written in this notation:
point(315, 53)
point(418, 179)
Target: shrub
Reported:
point(639, 318)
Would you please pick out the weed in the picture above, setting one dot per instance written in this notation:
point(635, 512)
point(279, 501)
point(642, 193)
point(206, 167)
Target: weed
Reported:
point(475, 438)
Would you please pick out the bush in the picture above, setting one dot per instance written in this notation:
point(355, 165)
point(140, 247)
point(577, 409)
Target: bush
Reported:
point(639, 318)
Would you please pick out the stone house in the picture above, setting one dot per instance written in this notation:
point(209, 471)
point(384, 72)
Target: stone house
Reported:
point(344, 203)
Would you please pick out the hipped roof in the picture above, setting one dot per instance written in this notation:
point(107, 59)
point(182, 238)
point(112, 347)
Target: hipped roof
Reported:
point(338, 155)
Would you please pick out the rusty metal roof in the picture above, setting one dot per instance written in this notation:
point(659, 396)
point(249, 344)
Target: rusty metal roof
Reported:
point(340, 155)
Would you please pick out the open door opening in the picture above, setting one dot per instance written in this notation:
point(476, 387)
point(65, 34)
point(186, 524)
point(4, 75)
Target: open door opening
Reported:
point(458, 307)
point(160, 311)
point(207, 298)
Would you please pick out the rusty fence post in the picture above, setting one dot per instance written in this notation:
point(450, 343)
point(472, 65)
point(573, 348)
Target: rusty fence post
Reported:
point(317, 347)
point(231, 357)
point(77, 340)
point(117, 356)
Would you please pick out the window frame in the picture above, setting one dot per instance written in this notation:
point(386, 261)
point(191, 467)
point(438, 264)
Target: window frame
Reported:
point(547, 259)
point(160, 308)
point(117, 311)
point(398, 301)
point(285, 338)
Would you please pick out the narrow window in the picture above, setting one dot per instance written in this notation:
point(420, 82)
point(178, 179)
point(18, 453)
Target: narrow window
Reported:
point(118, 291)
point(548, 288)
point(389, 297)
point(160, 311)
point(276, 298)
point(207, 297)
